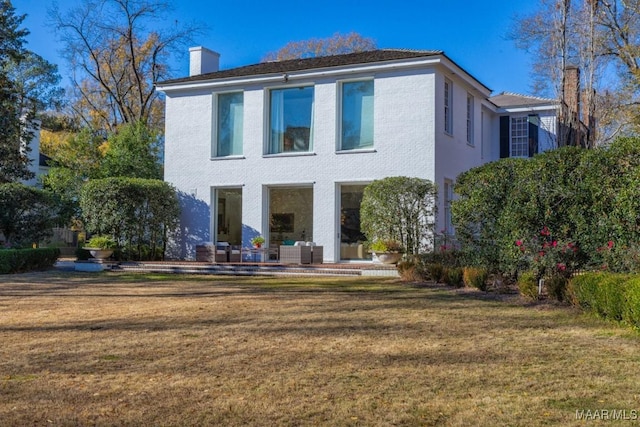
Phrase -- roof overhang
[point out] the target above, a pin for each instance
(440, 60)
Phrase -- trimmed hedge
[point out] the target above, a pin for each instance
(612, 296)
(23, 260)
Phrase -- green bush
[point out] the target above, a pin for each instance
(448, 258)
(101, 242)
(583, 289)
(453, 276)
(138, 213)
(586, 201)
(528, 285)
(602, 293)
(23, 260)
(610, 297)
(631, 313)
(400, 208)
(436, 272)
(475, 277)
(556, 287)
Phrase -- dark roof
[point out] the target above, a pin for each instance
(287, 66)
(514, 100)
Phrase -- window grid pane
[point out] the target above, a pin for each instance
(519, 137)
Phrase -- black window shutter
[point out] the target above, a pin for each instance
(534, 124)
(504, 136)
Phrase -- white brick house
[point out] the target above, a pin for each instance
(285, 149)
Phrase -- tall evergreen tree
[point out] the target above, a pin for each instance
(16, 125)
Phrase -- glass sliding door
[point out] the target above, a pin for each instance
(290, 215)
(228, 215)
(351, 237)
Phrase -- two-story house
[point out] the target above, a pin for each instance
(285, 149)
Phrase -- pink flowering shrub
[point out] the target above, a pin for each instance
(547, 256)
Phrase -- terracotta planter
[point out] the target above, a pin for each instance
(389, 257)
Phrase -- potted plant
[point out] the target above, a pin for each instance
(101, 247)
(387, 251)
(257, 241)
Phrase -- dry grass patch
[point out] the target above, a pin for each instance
(109, 349)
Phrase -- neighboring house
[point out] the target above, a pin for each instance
(37, 161)
(285, 149)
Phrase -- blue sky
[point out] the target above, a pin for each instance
(471, 32)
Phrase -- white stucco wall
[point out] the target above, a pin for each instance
(404, 144)
(454, 154)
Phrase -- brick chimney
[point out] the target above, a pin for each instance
(572, 91)
(203, 61)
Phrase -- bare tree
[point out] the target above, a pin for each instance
(555, 37)
(619, 22)
(334, 45)
(117, 50)
(603, 40)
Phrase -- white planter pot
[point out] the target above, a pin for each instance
(99, 254)
(389, 257)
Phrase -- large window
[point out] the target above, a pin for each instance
(470, 119)
(357, 115)
(519, 145)
(230, 119)
(290, 214)
(448, 114)
(291, 120)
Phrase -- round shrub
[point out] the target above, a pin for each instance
(409, 271)
(528, 285)
(453, 276)
(556, 287)
(475, 277)
(436, 272)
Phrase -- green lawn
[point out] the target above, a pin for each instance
(147, 350)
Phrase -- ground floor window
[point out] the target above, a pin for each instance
(228, 215)
(520, 136)
(351, 237)
(448, 198)
(290, 215)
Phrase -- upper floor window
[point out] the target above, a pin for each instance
(519, 146)
(448, 104)
(291, 120)
(357, 115)
(229, 124)
(469, 119)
